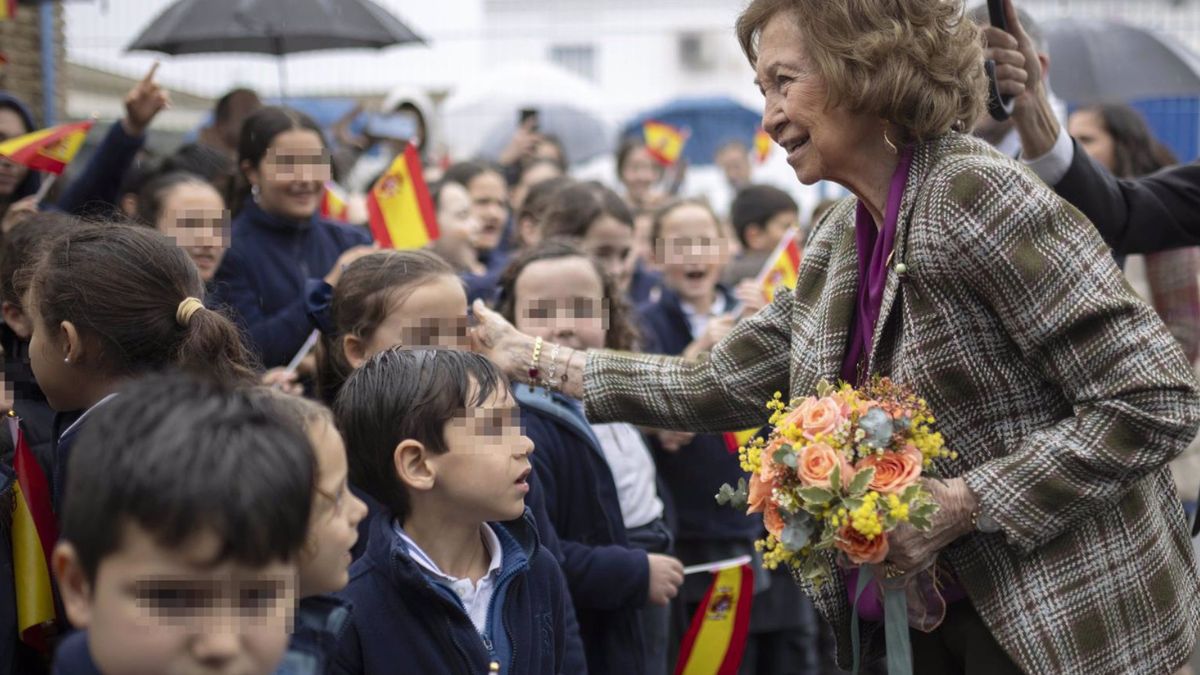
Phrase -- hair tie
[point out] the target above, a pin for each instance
(188, 307)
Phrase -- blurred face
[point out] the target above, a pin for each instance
(195, 217)
(241, 106)
(562, 300)
(11, 173)
(171, 611)
(639, 173)
(767, 237)
(691, 252)
(485, 472)
(611, 242)
(821, 143)
(457, 225)
(291, 177)
(336, 512)
(734, 162)
(489, 201)
(542, 171)
(1088, 128)
(432, 315)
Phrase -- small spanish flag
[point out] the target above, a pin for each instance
(783, 267)
(716, 640)
(333, 203)
(34, 534)
(664, 142)
(8, 9)
(762, 145)
(399, 207)
(738, 439)
(49, 150)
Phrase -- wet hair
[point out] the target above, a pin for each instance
(1135, 150)
(465, 172)
(259, 131)
(574, 209)
(540, 195)
(757, 204)
(22, 247)
(210, 164)
(121, 287)
(369, 288)
(621, 333)
(296, 411)
(403, 394)
(177, 457)
(626, 148)
(661, 213)
(153, 194)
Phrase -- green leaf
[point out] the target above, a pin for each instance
(860, 483)
(724, 494)
(910, 493)
(835, 479)
(824, 388)
(920, 522)
(815, 495)
(785, 456)
(795, 536)
(741, 496)
(923, 510)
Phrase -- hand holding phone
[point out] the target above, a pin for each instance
(999, 107)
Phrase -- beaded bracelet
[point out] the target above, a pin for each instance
(534, 371)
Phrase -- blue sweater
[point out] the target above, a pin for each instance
(94, 191)
(73, 657)
(320, 622)
(695, 472)
(609, 581)
(404, 621)
(263, 276)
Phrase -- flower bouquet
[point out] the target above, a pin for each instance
(839, 472)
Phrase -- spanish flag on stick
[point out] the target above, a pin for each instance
(8, 10)
(333, 203)
(664, 141)
(738, 439)
(716, 640)
(762, 145)
(34, 533)
(783, 267)
(49, 150)
(399, 207)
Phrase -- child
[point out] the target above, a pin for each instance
(488, 190)
(187, 507)
(761, 216)
(599, 481)
(332, 532)
(454, 579)
(109, 302)
(457, 229)
(190, 211)
(532, 214)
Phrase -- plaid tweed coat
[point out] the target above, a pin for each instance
(1063, 393)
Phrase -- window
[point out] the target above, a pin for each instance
(578, 59)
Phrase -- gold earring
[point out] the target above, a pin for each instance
(890, 144)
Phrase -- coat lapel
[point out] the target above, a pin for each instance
(840, 298)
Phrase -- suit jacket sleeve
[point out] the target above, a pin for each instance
(1064, 304)
(1143, 215)
(94, 191)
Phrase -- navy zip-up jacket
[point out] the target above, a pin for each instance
(609, 581)
(404, 621)
(263, 276)
(696, 471)
(73, 657)
(320, 622)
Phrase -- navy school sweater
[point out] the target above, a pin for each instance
(263, 276)
(320, 622)
(609, 581)
(403, 621)
(695, 472)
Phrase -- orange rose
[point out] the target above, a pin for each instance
(818, 416)
(859, 549)
(894, 471)
(815, 464)
(760, 494)
(772, 520)
(770, 470)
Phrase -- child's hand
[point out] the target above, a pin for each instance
(144, 102)
(17, 212)
(672, 441)
(750, 294)
(283, 380)
(666, 576)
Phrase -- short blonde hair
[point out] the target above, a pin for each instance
(915, 63)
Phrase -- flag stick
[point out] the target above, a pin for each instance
(45, 188)
(304, 351)
(718, 565)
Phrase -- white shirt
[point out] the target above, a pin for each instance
(475, 597)
(1052, 166)
(633, 471)
(697, 321)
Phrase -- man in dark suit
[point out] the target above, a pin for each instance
(1142, 215)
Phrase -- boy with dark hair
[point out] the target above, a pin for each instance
(761, 215)
(186, 506)
(454, 579)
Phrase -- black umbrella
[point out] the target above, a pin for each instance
(276, 27)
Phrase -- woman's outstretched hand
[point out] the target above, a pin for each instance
(496, 338)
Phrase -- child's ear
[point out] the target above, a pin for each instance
(413, 466)
(250, 172)
(73, 585)
(72, 343)
(16, 319)
(355, 350)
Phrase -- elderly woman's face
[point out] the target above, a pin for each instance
(821, 143)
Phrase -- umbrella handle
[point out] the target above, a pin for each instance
(999, 107)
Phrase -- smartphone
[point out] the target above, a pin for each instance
(1000, 107)
(394, 126)
(526, 115)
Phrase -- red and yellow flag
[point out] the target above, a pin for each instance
(664, 142)
(8, 9)
(716, 640)
(34, 534)
(333, 203)
(399, 207)
(762, 145)
(783, 267)
(48, 150)
(737, 439)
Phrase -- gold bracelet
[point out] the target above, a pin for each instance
(534, 371)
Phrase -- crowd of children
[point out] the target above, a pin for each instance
(389, 503)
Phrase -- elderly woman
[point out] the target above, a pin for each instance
(954, 271)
